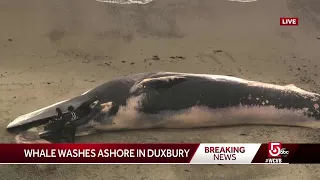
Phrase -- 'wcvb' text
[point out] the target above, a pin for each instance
(224, 153)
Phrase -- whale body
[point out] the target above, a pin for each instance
(182, 100)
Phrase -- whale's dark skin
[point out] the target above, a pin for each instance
(169, 91)
(221, 94)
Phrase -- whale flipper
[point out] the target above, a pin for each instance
(157, 83)
(104, 110)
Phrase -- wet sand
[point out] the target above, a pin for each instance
(53, 50)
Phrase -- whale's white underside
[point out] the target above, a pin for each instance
(198, 117)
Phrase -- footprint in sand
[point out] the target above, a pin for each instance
(148, 1)
(245, 1)
(224, 62)
(126, 1)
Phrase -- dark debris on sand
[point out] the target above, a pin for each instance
(177, 57)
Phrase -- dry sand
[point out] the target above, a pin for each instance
(52, 50)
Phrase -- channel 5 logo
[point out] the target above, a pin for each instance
(276, 150)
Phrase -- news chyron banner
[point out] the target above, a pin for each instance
(203, 153)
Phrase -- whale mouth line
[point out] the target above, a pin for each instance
(30, 136)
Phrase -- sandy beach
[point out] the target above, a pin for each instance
(54, 50)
